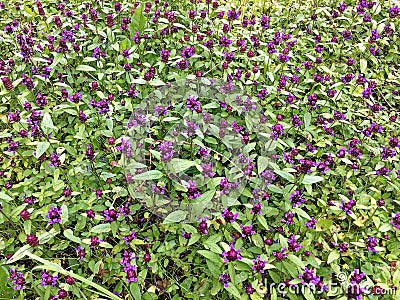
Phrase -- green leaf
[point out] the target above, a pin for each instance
(297, 261)
(385, 227)
(20, 253)
(308, 294)
(275, 189)
(262, 163)
(149, 175)
(233, 291)
(69, 234)
(285, 175)
(46, 236)
(56, 60)
(6, 291)
(302, 213)
(211, 256)
(157, 82)
(138, 20)
(262, 221)
(85, 68)
(64, 214)
(101, 228)
(175, 217)
(334, 255)
(270, 211)
(211, 243)
(363, 65)
(135, 290)
(47, 122)
(307, 120)
(309, 179)
(49, 266)
(215, 270)
(5, 196)
(180, 165)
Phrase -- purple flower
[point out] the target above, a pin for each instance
(311, 224)
(288, 219)
(296, 122)
(233, 15)
(80, 252)
(138, 119)
(13, 146)
(354, 291)
(394, 12)
(383, 171)
(130, 237)
(55, 160)
(229, 216)
(17, 279)
(375, 51)
(192, 190)
(347, 207)
(48, 279)
(131, 273)
(387, 152)
(371, 244)
(343, 247)
(226, 187)
(125, 210)
(264, 22)
(125, 147)
(164, 55)
(41, 100)
(188, 52)
(309, 276)
(277, 131)
(193, 104)
(347, 35)
(293, 245)
(256, 207)
(224, 41)
(396, 220)
(160, 190)
(357, 276)
(54, 215)
(191, 128)
(167, 151)
(182, 65)
(204, 153)
(206, 170)
(14, 117)
(225, 279)
(202, 228)
(259, 265)
(232, 254)
(296, 198)
(126, 259)
(280, 255)
(247, 230)
(110, 215)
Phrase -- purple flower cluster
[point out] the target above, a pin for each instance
(167, 151)
(17, 279)
(232, 254)
(296, 198)
(48, 279)
(129, 269)
(54, 215)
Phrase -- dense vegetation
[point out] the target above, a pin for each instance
(280, 119)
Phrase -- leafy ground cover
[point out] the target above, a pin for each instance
(315, 216)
